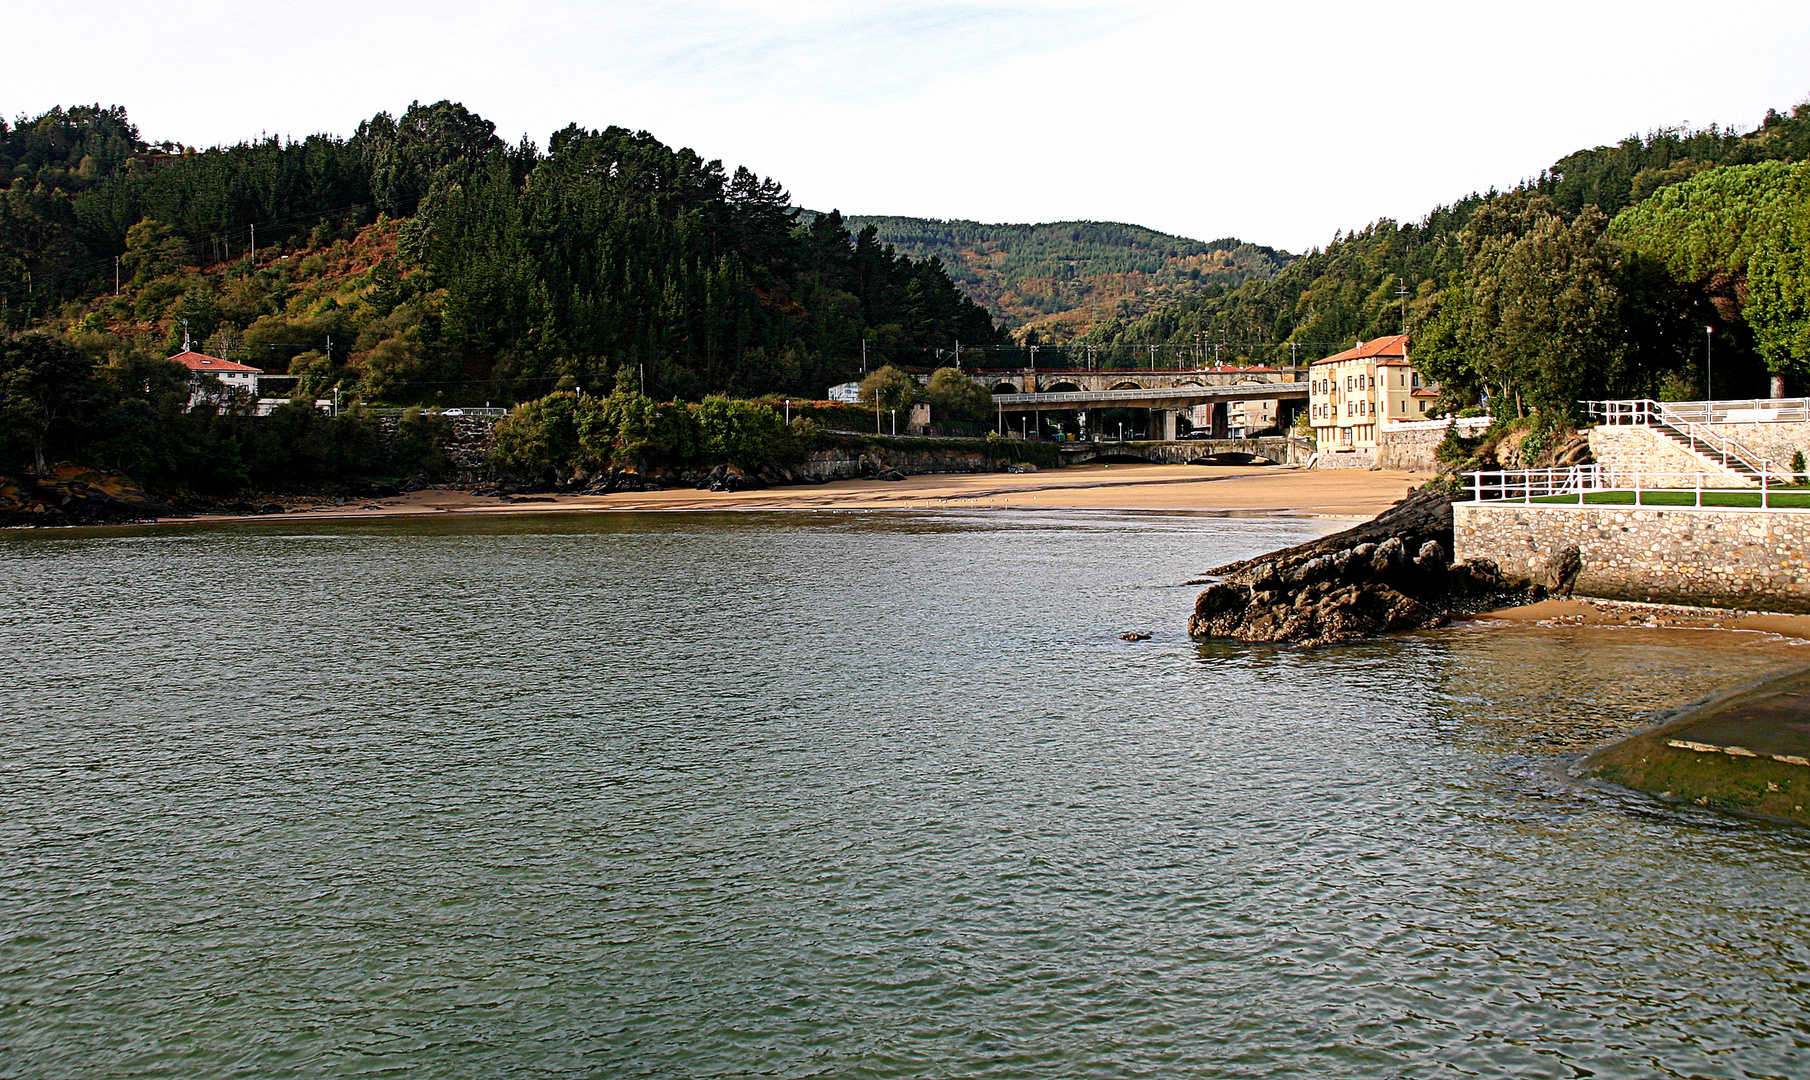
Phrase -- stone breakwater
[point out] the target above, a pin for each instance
(1391, 573)
(1746, 559)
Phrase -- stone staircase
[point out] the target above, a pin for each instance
(1665, 441)
(1711, 454)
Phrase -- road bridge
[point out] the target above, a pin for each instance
(1162, 394)
(1031, 380)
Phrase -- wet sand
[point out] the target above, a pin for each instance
(1586, 612)
(1354, 494)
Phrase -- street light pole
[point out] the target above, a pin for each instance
(1709, 364)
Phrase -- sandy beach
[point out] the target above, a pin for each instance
(1344, 494)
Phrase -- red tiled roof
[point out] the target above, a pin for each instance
(1393, 345)
(195, 361)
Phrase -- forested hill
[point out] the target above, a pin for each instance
(1600, 277)
(425, 259)
(1058, 280)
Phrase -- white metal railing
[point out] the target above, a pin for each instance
(1744, 411)
(1467, 425)
(1647, 488)
(1666, 415)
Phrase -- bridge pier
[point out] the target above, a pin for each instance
(1162, 424)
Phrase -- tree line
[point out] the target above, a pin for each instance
(496, 270)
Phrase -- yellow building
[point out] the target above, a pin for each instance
(1353, 393)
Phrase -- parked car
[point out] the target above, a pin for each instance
(453, 412)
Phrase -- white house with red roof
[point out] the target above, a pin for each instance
(227, 373)
(1354, 393)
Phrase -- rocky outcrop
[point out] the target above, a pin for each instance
(72, 495)
(1390, 573)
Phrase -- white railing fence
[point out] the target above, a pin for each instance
(1690, 419)
(1576, 483)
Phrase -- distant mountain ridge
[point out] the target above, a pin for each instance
(1057, 280)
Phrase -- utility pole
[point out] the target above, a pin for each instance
(253, 253)
(863, 355)
(1401, 290)
(643, 370)
(1293, 359)
(1152, 349)
(1090, 358)
(116, 275)
(958, 354)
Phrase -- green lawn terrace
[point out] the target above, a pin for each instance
(1597, 485)
(1776, 498)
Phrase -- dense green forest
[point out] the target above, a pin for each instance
(1055, 281)
(422, 260)
(1597, 278)
(502, 271)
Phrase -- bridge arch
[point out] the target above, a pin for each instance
(1005, 387)
(1231, 457)
(1126, 384)
(1064, 387)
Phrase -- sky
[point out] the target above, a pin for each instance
(1277, 123)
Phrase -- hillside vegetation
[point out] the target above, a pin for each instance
(1054, 282)
(448, 266)
(1597, 278)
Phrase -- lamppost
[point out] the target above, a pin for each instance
(1709, 364)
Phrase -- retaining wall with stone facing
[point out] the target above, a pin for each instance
(1403, 448)
(1775, 440)
(1751, 559)
(1633, 449)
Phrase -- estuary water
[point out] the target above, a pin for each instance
(838, 795)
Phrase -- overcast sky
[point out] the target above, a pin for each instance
(1277, 123)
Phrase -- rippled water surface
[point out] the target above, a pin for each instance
(837, 795)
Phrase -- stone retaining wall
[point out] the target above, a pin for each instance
(1409, 450)
(1770, 440)
(1359, 458)
(1643, 450)
(469, 446)
(1413, 449)
(1752, 559)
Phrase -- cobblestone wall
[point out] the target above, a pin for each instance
(1757, 560)
(1639, 449)
(469, 446)
(1362, 458)
(1410, 450)
(1771, 440)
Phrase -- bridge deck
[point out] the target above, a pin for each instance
(1157, 397)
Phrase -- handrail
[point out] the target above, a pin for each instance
(1645, 412)
(1525, 485)
(1730, 410)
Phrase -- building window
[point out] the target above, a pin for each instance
(1423, 406)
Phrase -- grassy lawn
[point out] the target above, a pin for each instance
(1791, 498)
